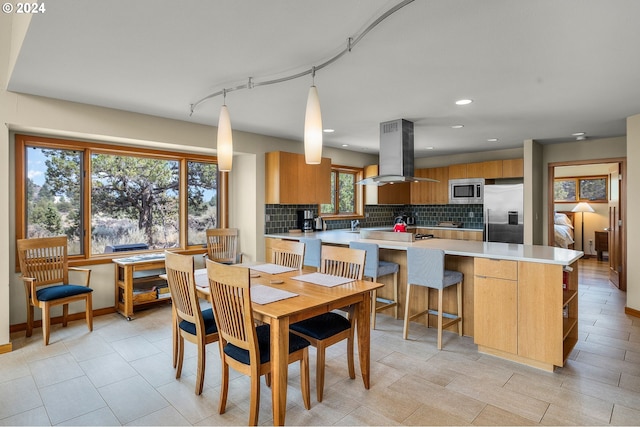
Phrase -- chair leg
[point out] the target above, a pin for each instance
(46, 322)
(65, 314)
(304, 378)
(350, 357)
(89, 311)
(254, 410)
(440, 292)
(202, 360)
(405, 329)
(29, 319)
(374, 304)
(224, 387)
(176, 340)
(320, 371)
(180, 355)
(395, 294)
(459, 291)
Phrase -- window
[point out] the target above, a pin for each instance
(346, 196)
(577, 189)
(103, 196)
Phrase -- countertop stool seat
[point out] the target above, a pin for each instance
(373, 269)
(425, 267)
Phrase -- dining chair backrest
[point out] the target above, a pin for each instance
(181, 280)
(288, 253)
(44, 259)
(425, 267)
(344, 262)
(312, 250)
(231, 303)
(222, 245)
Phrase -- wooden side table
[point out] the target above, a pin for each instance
(602, 243)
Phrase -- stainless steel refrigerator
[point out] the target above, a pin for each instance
(503, 213)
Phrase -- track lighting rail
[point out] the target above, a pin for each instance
(351, 43)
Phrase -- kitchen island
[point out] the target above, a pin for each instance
(520, 301)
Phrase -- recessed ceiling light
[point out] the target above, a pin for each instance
(457, 126)
(345, 145)
(429, 148)
(492, 140)
(328, 130)
(464, 102)
(577, 134)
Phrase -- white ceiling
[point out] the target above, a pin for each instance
(539, 69)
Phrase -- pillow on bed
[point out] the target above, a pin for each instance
(562, 219)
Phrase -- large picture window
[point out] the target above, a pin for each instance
(105, 198)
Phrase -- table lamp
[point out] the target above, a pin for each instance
(582, 207)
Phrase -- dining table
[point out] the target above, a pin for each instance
(288, 296)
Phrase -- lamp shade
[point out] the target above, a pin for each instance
(225, 141)
(583, 207)
(313, 129)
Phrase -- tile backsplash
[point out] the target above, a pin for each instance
(282, 218)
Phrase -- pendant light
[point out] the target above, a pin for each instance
(313, 126)
(225, 140)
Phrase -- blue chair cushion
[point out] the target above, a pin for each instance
(451, 278)
(61, 291)
(323, 326)
(386, 267)
(263, 333)
(209, 324)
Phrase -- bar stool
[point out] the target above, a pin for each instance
(374, 268)
(425, 267)
(312, 251)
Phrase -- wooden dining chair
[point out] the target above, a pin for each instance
(330, 328)
(288, 253)
(222, 245)
(190, 322)
(243, 346)
(45, 274)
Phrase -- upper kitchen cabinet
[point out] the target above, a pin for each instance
(494, 169)
(431, 193)
(290, 181)
(513, 168)
(389, 194)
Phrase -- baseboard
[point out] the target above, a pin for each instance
(57, 320)
(632, 312)
(6, 348)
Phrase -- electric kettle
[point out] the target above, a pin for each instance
(318, 224)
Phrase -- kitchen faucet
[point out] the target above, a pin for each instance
(354, 224)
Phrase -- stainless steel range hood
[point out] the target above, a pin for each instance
(396, 155)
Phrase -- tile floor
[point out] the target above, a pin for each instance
(122, 374)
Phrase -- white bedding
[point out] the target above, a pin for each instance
(563, 235)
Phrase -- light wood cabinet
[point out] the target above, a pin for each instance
(458, 171)
(431, 193)
(513, 168)
(290, 181)
(524, 312)
(389, 194)
(494, 169)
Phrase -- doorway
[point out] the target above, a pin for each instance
(609, 215)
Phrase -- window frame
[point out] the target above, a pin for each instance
(579, 197)
(358, 194)
(87, 148)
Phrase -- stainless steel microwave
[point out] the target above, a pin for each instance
(468, 191)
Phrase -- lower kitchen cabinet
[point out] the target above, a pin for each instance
(523, 312)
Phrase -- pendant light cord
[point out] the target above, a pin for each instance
(351, 43)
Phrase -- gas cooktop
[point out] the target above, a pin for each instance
(420, 236)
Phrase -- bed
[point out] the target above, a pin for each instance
(563, 229)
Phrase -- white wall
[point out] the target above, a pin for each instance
(633, 205)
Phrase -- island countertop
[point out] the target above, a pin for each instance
(506, 251)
